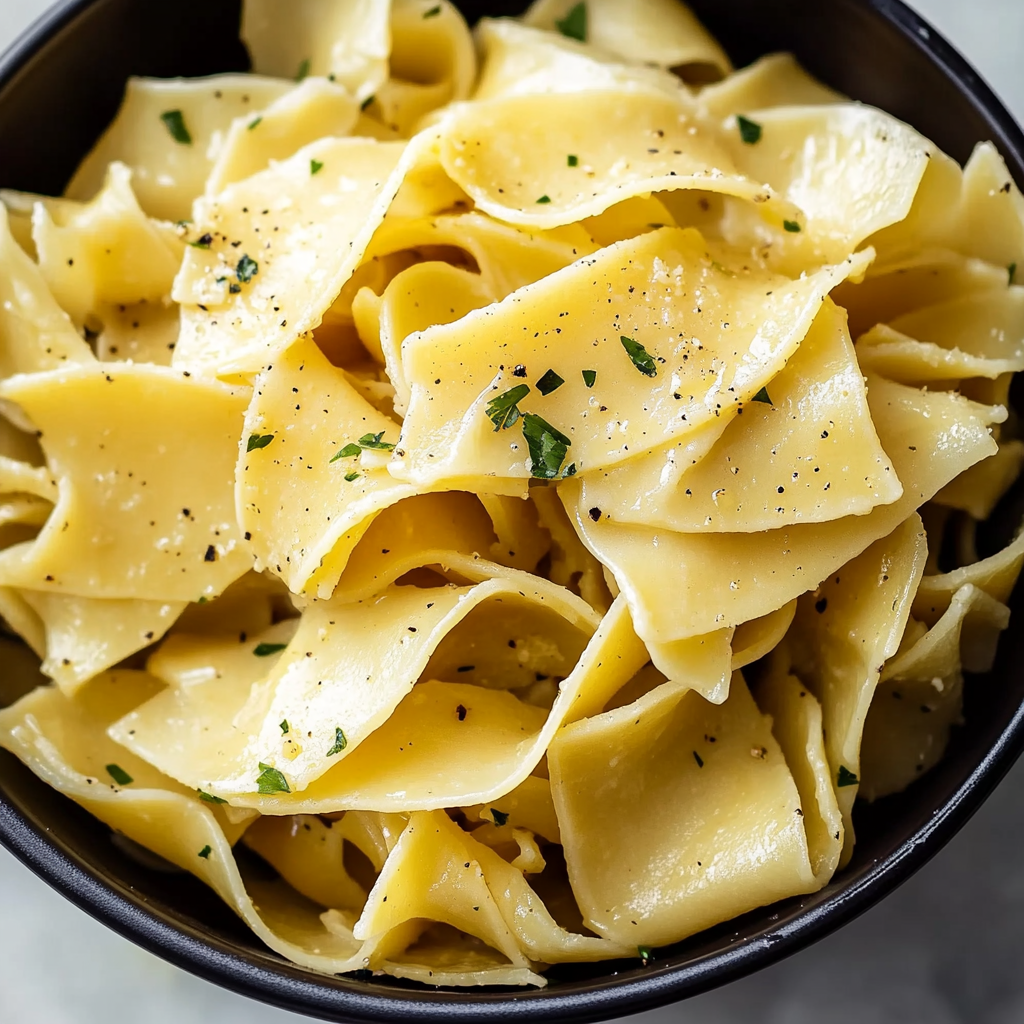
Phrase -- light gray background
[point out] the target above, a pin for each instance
(946, 948)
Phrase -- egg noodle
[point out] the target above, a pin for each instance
(520, 494)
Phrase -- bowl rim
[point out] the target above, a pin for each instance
(289, 987)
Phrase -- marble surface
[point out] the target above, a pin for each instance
(944, 949)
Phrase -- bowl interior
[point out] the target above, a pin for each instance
(60, 86)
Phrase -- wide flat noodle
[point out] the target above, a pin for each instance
(979, 489)
(676, 814)
(808, 454)
(723, 579)
(702, 361)
(141, 332)
(170, 166)
(137, 517)
(776, 80)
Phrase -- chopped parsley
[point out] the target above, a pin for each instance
(590, 378)
(572, 160)
(503, 411)
(315, 166)
(353, 475)
(544, 199)
(548, 446)
(1012, 271)
(366, 102)
(844, 777)
(285, 728)
(574, 24)
(270, 780)
(499, 817)
(432, 13)
(570, 470)
(175, 122)
(346, 453)
(791, 225)
(750, 131)
(303, 71)
(206, 851)
(119, 775)
(247, 269)
(209, 798)
(340, 743)
(549, 382)
(642, 359)
(254, 122)
(202, 242)
(263, 650)
(762, 396)
(258, 441)
(374, 441)
(644, 952)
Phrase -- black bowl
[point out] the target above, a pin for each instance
(60, 84)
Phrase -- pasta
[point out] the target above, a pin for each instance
(518, 482)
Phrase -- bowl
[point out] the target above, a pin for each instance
(60, 84)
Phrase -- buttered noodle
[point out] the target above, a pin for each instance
(521, 496)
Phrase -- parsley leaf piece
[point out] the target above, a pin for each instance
(340, 743)
(247, 269)
(569, 471)
(574, 24)
(366, 102)
(549, 382)
(548, 446)
(374, 441)
(263, 650)
(1012, 271)
(432, 13)
(258, 441)
(270, 780)
(644, 952)
(254, 123)
(750, 131)
(642, 359)
(544, 199)
(203, 241)
(590, 378)
(315, 166)
(285, 728)
(175, 122)
(349, 477)
(762, 396)
(503, 411)
(844, 777)
(209, 798)
(119, 775)
(791, 225)
(303, 71)
(573, 160)
(499, 817)
(206, 851)
(346, 453)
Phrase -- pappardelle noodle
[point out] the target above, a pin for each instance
(519, 483)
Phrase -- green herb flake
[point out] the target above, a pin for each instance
(548, 446)
(346, 453)
(569, 471)
(119, 775)
(247, 269)
(572, 160)
(374, 442)
(1012, 271)
(263, 650)
(642, 359)
(315, 166)
(574, 24)
(549, 382)
(544, 199)
(303, 71)
(270, 780)
(203, 241)
(206, 851)
(285, 728)
(432, 13)
(257, 441)
(254, 122)
(209, 798)
(499, 817)
(175, 123)
(590, 378)
(503, 411)
(644, 952)
(340, 743)
(844, 777)
(750, 131)
(762, 396)
(366, 102)
(791, 226)
(349, 477)
(698, 759)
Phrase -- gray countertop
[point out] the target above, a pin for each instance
(944, 949)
